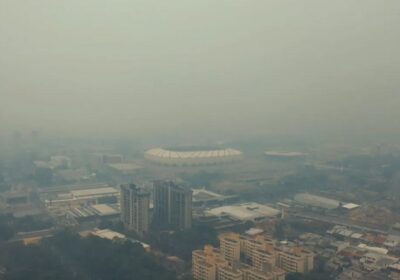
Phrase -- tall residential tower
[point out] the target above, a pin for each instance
(135, 209)
(172, 205)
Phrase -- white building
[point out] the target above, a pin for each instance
(246, 211)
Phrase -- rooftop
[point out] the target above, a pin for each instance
(350, 206)
(245, 211)
(111, 235)
(284, 154)
(94, 192)
(378, 250)
(125, 167)
(254, 231)
(108, 234)
(205, 195)
(317, 201)
(104, 209)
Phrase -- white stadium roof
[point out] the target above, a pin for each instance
(284, 154)
(193, 154)
(191, 157)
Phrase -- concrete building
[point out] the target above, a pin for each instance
(135, 209)
(250, 257)
(263, 260)
(204, 198)
(252, 245)
(172, 205)
(295, 259)
(230, 247)
(94, 211)
(76, 198)
(210, 264)
(124, 168)
(250, 211)
(205, 263)
(229, 273)
(254, 274)
(317, 201)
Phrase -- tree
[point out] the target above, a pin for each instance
(68, 256)
(182, 243)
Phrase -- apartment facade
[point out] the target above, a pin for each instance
(206, 262)
(229, 273)
(295, 259)
(230, 246)
(172, 205)
(135, 209)
(243, 257)
(254, 274)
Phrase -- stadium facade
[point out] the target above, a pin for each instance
(192, 157)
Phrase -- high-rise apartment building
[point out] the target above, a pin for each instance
(295, 259)
(229, 273)
(172, 205)
(135, 209)
(249, 257)
(258, 250)
(255, 274)
(206, 262)
(230, 246)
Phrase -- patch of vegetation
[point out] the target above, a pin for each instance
(9, 225)
(68, 256)
(182, 243)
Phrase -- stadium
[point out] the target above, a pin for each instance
(192, 157)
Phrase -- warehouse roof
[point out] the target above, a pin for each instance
(94, 192)
(317, 201)
(245, 211)
(104, 209)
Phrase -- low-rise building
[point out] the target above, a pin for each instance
(83, 197)
(250, 211)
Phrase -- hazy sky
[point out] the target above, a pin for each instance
(219, 67)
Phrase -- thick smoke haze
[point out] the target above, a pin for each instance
(214, 67)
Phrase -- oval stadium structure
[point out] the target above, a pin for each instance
(192, 157)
